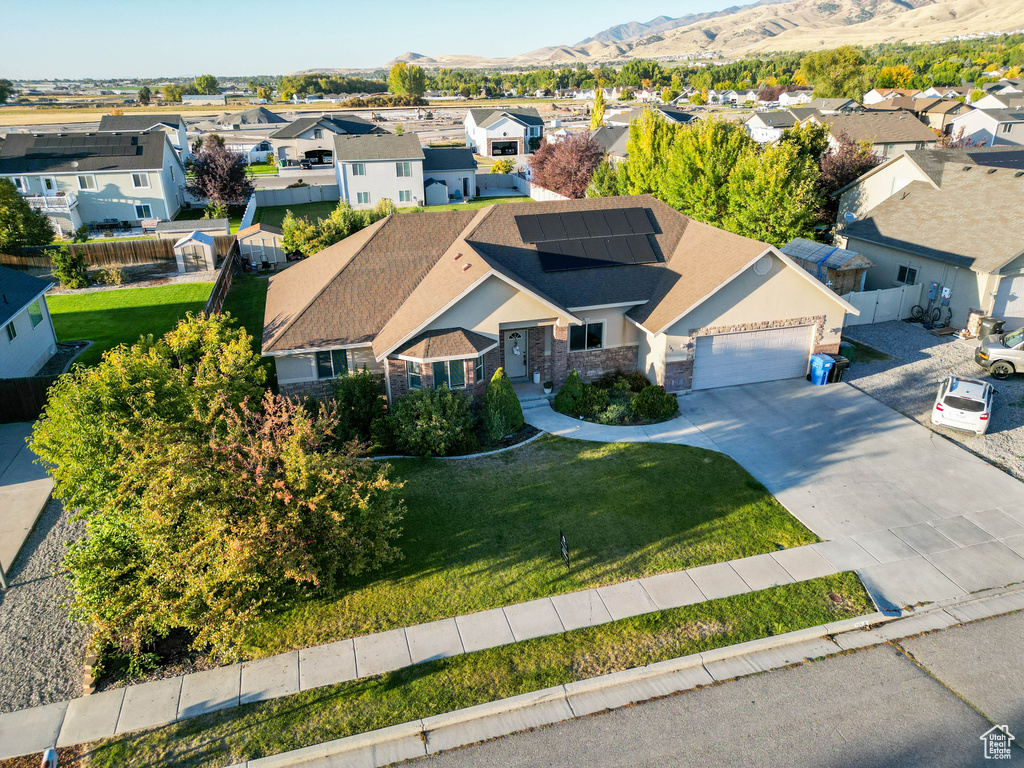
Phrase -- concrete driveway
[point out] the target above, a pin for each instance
(919, 518)
(25, 487)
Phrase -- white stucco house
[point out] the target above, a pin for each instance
(84, 178)
(767, 127)
(991, 126)
(27, 339)
(375, 166)
(794, 98)
(449, 174)
(497, 132)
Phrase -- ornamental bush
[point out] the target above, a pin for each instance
(569, 394)
(433, 422)
(69, 268)
(654, 404)
(502, 413)
(360, 403)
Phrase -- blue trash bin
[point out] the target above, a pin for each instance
(820, 366)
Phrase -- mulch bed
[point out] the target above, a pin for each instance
(67, 757)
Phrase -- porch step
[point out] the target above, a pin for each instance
(536, 402)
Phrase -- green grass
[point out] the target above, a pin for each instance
(482, 533)
(274, 215)
(262, 169)
(312, 717)
(235, 214)
(246, 301)
(121, 316)
(861, 353)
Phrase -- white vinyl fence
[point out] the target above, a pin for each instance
(883, 305)
(250, 213)
(297, 195)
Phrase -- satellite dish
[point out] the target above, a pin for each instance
(850, 218)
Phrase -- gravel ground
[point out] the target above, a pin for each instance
(41, 650)
(909, 381)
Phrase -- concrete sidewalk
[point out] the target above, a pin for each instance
(25, 488)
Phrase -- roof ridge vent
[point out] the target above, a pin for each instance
(968, 167)
(992, 170)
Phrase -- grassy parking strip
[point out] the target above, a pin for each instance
(322, 714)
(483, 533)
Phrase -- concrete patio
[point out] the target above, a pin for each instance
(25, 488)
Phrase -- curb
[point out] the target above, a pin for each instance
(483, 722)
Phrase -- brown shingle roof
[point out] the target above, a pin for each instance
(446, 342)
(879, 127)
(252, 230)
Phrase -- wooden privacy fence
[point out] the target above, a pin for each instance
(101, 254)
(23, 399)
(215, 303)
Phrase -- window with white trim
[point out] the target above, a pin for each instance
(403, 169)
(478, 370)
(19, 183)
(332, 364)
(415, 374)
(140, 180)
(586, 336)
(35, 313)
(451, 373)
(12, 332)
(1005, 127)
(362, 198)
(405, 195)
(358, 169)
(87, 182)
(143, 212)
(906, 274)
(318, 133)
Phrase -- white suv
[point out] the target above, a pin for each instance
(964, 404)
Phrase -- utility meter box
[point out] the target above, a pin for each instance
(947, 292)
(933, 292)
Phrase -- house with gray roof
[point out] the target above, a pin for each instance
(991, 127)
(173, 125)
(310, 139)
(449, 174)
(767, 127)
(833, 106)
(911, 218)
(86, 178)
(672, 115)
(888, 133)
(27, 339)
(540, 289)
(613, 139)
(503, 131)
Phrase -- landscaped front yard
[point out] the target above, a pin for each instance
(109, 318)
(482, 533)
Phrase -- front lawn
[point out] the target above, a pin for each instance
(482, 533)
(261, 169)
(322, 714)
(121, 316)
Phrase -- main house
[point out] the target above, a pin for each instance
(311, 139)
(496, 132)
(173, 125)
(911, 217)
(541, 289)
(27, 339)
(82, 178)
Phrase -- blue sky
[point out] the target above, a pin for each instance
(147, 38)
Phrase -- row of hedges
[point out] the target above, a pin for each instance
(426, 422)
(616, 398)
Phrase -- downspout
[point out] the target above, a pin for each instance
(822, 261)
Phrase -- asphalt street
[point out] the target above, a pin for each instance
(924, 702)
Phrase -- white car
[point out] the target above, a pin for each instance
(964, 403)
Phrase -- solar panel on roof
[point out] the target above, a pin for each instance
(529, 229)
(574, 226)
(551, 226)
(596, 225)
(616, 220)
(640, 248)
(639, 221)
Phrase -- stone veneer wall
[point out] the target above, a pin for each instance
(594, 363)
(559, 354)
(536, 359)
(399, 379)
(321, 389)
(678, 375)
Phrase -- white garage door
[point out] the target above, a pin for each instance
(726, 359)
(1010, 302)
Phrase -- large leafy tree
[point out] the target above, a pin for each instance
(845, 161)
(566, 166)
(20, 225)
(773, 194)
(836, 73)
(597, 115)
(6, 90)
(650, 141)
(899, 76)
(698, 169)
(604, 182)
(145, 95)
(219, 175)
(407, 80)
(207, 84)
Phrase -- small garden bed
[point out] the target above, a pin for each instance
(618, 399)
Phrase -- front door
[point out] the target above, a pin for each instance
(49, 185)
(515, 354)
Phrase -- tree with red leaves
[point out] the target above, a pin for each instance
(219, 175)
(566, 166)
(958, 140)
(845, 161)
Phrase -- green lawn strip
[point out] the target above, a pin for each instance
(246, 300)
(861, 353)
(262, 169)
(323, 714)
(482, 533)
(274, 215)
(235, 213)
(480, 202)
(121, 316)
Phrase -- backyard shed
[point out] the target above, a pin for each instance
(841, 270)
(196, 252)
(261, 243)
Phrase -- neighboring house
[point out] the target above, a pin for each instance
(540, 289)
(911, 218)
(204, 100)
(889, 133)
(172, 125)
(841, 270)
(311, 138)
(802, 113)
(876, 95)
(255, 148)
(261, 243)
(938, 114)
(497, 132)
(612, 139)
(767, 127)
(27, 339)
(991, 126)
(999, 101)
(82, 178)
(257, 117)
(449, 173)
(674, 116)
(834, 106)
(794, 98)
(375, 166)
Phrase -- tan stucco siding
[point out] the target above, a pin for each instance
(493, 305)
(302, 366)
(878, 187)
(782, 294)
(651, 356)
(618, 331)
